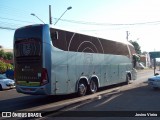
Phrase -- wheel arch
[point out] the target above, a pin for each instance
(82, 78)
(129, 74)
(96, 79)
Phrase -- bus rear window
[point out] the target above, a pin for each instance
(28, 47)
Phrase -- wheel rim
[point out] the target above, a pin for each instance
(127, 79)
(93, 86)
(82, 89)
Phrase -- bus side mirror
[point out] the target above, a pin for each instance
(54, 35)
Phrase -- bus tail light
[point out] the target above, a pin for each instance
(44, 78)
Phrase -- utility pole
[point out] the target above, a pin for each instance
(154, 60)
(50, 15)
(127, 35)
(129, 51)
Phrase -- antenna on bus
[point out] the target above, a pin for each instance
(50, 16)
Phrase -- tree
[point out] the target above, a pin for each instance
(9, 55)
(136, 46)
(2, 54)
(3, 67)
(6, 55)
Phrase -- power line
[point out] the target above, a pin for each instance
(7, 28)
(16, 20)
(109, 24)
(74, 21)
(10, 25)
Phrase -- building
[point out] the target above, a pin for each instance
(146, 60)
(6, 50)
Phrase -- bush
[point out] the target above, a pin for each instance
(9, 66)
(6, 55)
(4, 66)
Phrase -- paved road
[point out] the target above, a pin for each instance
(133, 97)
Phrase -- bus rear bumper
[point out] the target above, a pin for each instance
(41, 90)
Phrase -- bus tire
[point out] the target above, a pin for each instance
(155, 88)
(93, 87)
(127, 79)
(1, 87)
(82, 88)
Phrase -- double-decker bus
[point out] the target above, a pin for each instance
(51, 61)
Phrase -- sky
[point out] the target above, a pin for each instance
(109, 19)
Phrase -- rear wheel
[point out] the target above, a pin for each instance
(155, 88)
(1, 87)
(82, 88)
(92, 87)
(127, 79)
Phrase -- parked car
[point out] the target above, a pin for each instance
(6, 83)
(154, 81)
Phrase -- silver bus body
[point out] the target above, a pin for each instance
(66, 59)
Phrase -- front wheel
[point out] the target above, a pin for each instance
(82, 88)
(155, 88)
(1, 87)
(92, 87)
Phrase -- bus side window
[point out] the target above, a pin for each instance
(54, 35)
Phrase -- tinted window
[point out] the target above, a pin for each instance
(29, 32)
(28, 41)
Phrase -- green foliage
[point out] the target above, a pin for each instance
(6, 55)
(9, 66)
(4, 66)
(137, 58)
(9, 55)
(1, 53)
(136, 46)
